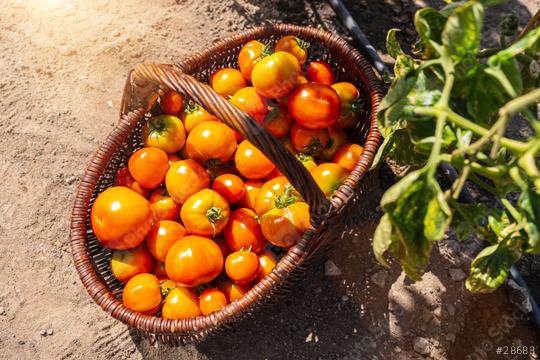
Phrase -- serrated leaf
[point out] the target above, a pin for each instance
(490, 268)
(429, 24)
(392, 44)
(462, 31)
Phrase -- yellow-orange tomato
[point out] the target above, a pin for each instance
(295, 46)
(148, 166)
(251, 162)
(194, 260)
(159, 270)
(205, 213)
(171, 102)
(242, 266)
(320, 72)
(278, 122)
(329, 177)
(309, 141)
(194, 114)
(278, 190)
(350, 104)
(267, 263)
(337, 138)
(301, 80)
(230, 186)
(181, 303)
(249, 55)
(226, 82)
(185, 178)
(211, 140)
(162, 236)
(252, 189)
(142, 293)
(165, 132)
(121, 218)
(173, 158)
(163, 206)
(274, 76)
(166, 285)
(306, 160)
(125, 264)
(243, 231)
(284, 226)
(124, 178)
(232, 290)
(348, 155)
(253, 103)
(212, 299)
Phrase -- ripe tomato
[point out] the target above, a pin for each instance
(232, 290)
(337, 138)
(278, 122)
(350, 104)
(286, 141)
(226, 82)
(276, 75)
(165, 132)
(243, 231)
(211, 140)
(329, 177)
(120, 218)
(194, 260)
(251, 162)
(194, 114)
(230, 186)
(166, 286)
(171, 102)
(242, 266)
(185, 178)
(125, 264)
(124, 178)
(173, 158)
(348, 155)
(163, 206)
(302, 80)
(309, 141)
(142, 293)
(205, 213)
(225, 251)
(162, 236)
(148, 166)
(250, 101)
(295, 46)
(249, 55)
(274, 174)
(320, 72)
(306, 160)
(315, 106)
(212, 299)
(181, 303)
(159, 270)
(252, 189)
(267, 263)
(284, 226)
(275, 192)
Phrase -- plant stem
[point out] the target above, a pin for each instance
(457, 186)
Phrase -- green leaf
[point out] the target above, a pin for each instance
(382, 239)
(490, 268)
(467, 218)
(384, 149)
(529, 41)
(399, 89)
(392, 44)
(462, 32)
(403, 65)
(429, 24)
(404, 152)
(529, 206)
(484, 97)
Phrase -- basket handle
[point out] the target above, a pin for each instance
(237, 119)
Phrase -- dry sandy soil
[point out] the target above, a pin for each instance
(62, 67)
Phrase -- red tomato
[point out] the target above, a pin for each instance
(295, 46)
(142, 293)
(194, 114)
(337, 138)
(211, 140)
(226, 82)
(267, 263)
(233, 291)
(125, 264)
(162, 236)
(350, 104)
(205, 213)
(171, 102)
(194, 260)
(348, 155)
(159, 270)
(278, 122)
(173, 158)
(120, 218)
(243, 231)
(165, 132)
(181, 303)
(274, 174)
(315, 106)
(320, 72)
(251, 162)
(329, 177)
(242, 266)
(309, 141)
(284, 226)
(274, 76)
(230, 186)
(124, 178)
(185, 178)
(212, 299)
(252, 188)
(163, 206)
(148, 166)
(250, 101)
(249, 55)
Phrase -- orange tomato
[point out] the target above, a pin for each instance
(278, 122)
(121, 218)
(173, 158)
(165, 132)
(274, 174)
(125, 264)
(163, 206)
(162, 236)
(301, 80)
(232, 290)
(194, 114)
(309, 141)
(315, 106)
(171, 102)
(274, 76)
(295, 46)
(212, 299)
(194, 260)
(124, 178)
(251, 162)
(251, 102)
(249, 55)
(230, 186)
(306, 160)
(242, 266)
(350, 104)
(211, 140)
(166, 286)
(320, 72)
(275, 192)
(142, 293)
(252, 189)
(284, 226)
(243, 231)
(348, 155)
(181, 303)
(205, 213)
(159, 270)
(329, 177)
(148, 166)
(226, 82)
(185, 178)
(267, 263)
(337, 138)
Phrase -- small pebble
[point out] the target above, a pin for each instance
(344, 298)
(421, 345)
(451, 310)
(50, 331)
(331, 269)
(397, 349)
(66, 51)
(41, 332)
(109, 102)
(309, 338)
(379, 278)
(2, 310)
(457, 274)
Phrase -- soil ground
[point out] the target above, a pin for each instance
(62, 68)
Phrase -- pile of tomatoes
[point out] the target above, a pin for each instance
(193, 218)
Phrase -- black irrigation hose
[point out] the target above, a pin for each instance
(448, 170)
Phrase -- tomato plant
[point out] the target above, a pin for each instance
(276, 75)
(165, 132)
(125, 264)
(243, 231)
(148, 166)
(242, 266)
(185, 178)
(315, 106)
(251, 162)
(226, 82)
(205, 213)
(320, 72)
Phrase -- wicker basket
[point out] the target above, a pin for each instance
(143, 87)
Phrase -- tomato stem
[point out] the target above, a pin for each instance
(302, 43)
(286, 199)
(191, 107)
